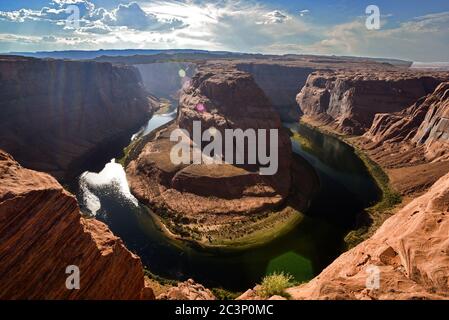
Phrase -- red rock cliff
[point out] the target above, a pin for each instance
(412, 145)
(349, 100)
(425, 124)
(433, 132)
(280, 83)
(42, 232)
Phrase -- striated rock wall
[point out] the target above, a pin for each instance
(280, 83)
(433, 132)
(350, 100)
(54, 112)
(412, 145)
(42, 232)
(424, 124)
(410, 251)
(163, 79)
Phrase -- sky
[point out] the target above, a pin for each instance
(414, 30)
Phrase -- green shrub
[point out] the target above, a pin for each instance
(161, 280)
(275, 284)
(222, 294)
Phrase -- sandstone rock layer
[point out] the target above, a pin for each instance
(410, 251)
(42, 233)
(413, 144)
(350, 100)
(188, 290)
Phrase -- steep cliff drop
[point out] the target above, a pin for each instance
(55, 113)
(282, 79)
(407, 258)
(165, 79)
(280, 83)
(219, 204)
(349, 100)
(42, 233)
(412, 145)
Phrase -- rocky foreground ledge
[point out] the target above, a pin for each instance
(42, 233)
(410, 253)
(221, 204)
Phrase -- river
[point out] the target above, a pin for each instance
(346, 189)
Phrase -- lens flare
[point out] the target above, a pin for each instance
(200, 107)
(182, 73)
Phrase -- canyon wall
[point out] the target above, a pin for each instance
(409, 254)
(403, 119)
(425, 123)
(349, 100)
(433, 133)
(54, 112)
(42, 233)
(280, 83)
(165, 79)
(412, 145)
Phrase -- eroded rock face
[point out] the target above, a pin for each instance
(54, 112)
(423, 124)
(232, 100)
(280, 83)
(164, 79)
(410, 250)
(42, 232)
(350, 100)
(412, 145)
(433, 132)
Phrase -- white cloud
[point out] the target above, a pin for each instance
(97, 28)
(97, 20)
(7, 37)
(423, 38)
(49, 39)
(16, 16)
(304, 12)
(234, 25)
(134, 17)
(275, 16)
